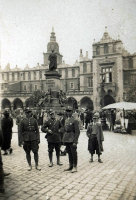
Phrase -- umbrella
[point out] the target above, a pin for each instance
(121, 105)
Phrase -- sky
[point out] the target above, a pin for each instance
(25, 27)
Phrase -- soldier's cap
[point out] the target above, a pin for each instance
(6, 112)
(96, 116)
(60, 113)
(28, 110)
(69, 108)
(51, 112)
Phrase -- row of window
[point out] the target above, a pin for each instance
(106, 49)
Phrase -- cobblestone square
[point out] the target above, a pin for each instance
(114, 179)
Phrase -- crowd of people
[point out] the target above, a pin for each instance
(62, 131)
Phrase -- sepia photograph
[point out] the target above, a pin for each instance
(67, 99)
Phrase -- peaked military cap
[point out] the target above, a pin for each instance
(28, 110)
(69, 108)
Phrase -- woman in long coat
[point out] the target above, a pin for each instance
(95, 135)
(7, 124)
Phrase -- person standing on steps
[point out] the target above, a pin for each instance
(53, 135)
(70, 139)
(31, 138)
(95, 138)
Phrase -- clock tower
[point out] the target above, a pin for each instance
(52, 45)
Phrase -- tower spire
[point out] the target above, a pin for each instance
(52, 37)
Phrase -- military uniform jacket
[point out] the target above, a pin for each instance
(29, 129)
(54, 126)
(71, 131)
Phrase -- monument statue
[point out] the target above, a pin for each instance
(53, 61)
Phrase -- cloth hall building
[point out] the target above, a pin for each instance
(89, 83)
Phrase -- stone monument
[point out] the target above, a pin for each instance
(54, 98)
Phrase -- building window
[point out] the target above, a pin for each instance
(66, 73)
(133, 79)
(25, 87)
(13, 76)
(29, 76)
(23, 75)
(91, 67)
(106, 48)
(35, 87)
(40, 75)
(73, 72)
(130, 62)
(84, 68)
(98, 50)
(3, 77)
(7, 76)
(18, 76)
(106, 75)
(2, 87)
(114, 47)
(60, 71)
(90, 81)
(34, 75)
(71, 85)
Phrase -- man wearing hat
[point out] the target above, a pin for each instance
(70, 139)
(31, 138)
(53, 135)
(95, 135)
(7, 124)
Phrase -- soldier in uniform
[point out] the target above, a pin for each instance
(31, 138)
(19, 118)
(70, 139)
(53, 135)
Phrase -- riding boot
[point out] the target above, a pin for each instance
(50, 158)
(58, 161)
(36, 161)
(28, 157)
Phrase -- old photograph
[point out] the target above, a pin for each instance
(68, 99)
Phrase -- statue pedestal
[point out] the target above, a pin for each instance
(53, 87)
(53, 80)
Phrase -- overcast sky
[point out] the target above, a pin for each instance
(25, 27)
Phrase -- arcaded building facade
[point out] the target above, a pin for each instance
(89, 83)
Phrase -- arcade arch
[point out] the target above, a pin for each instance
(108, 99)
(71, 101)
(6, 104)
(17, 103)
(86, 102)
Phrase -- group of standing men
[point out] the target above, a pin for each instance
(59, 131)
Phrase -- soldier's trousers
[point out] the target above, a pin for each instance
(72, 154)
(1, 172)
(31, 146)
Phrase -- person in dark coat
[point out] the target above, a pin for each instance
(95, 135)
(7, 124)
(2, 189)
(53, 135)
(31, 138)
(70, 139)
(19, 118)
(112, 119)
